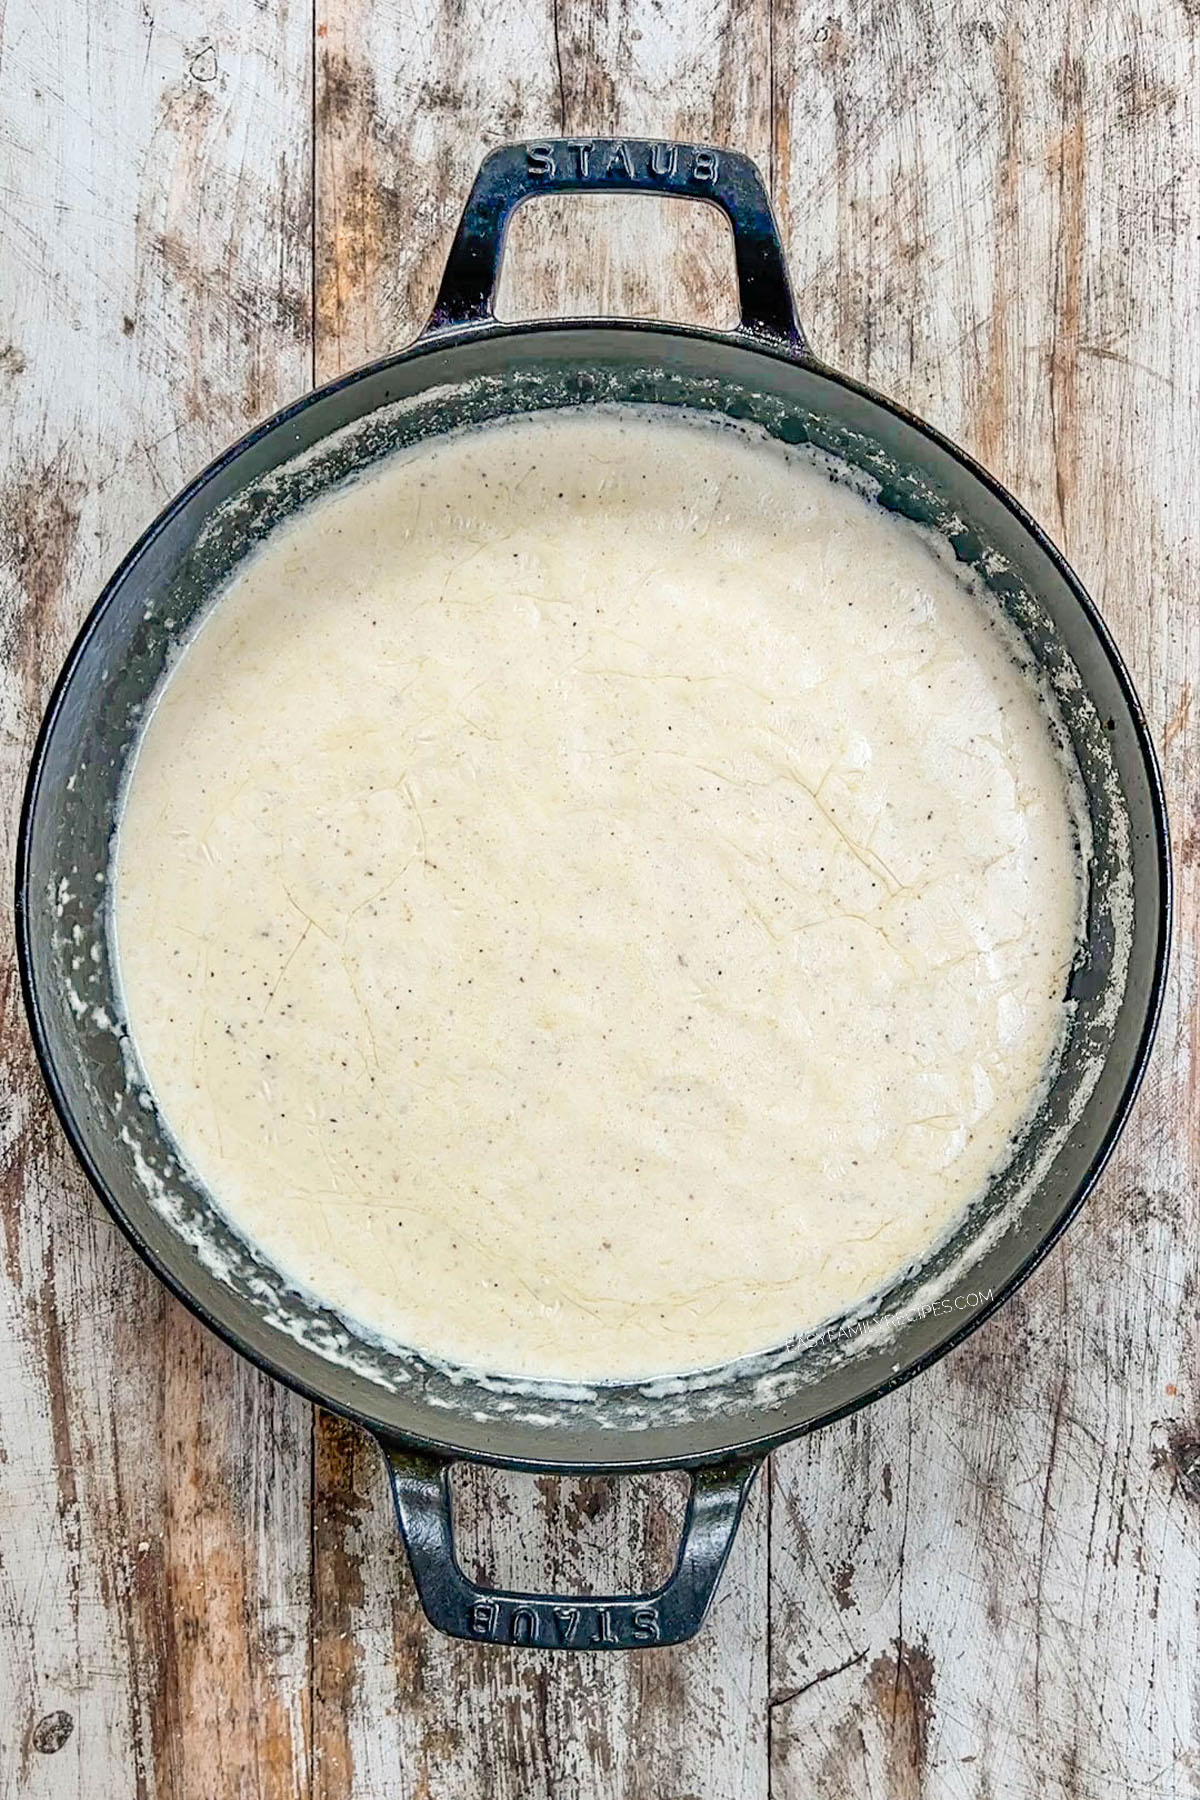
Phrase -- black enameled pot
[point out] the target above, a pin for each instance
(469, 367)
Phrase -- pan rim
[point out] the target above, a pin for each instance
(735, 1442)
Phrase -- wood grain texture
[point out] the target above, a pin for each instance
(405, 110)
(153, 1491)
(988, 1584)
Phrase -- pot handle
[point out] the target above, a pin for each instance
(669, 1615)
(723, 178)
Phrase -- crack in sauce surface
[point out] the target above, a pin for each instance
(596, 896)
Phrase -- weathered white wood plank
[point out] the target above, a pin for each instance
(408, 101)
(989, 1584)
(154, 213)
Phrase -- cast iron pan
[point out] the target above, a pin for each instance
(468, 367)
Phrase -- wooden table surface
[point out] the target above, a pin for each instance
(986, 1585)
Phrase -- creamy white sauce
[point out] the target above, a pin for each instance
(596, 897)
